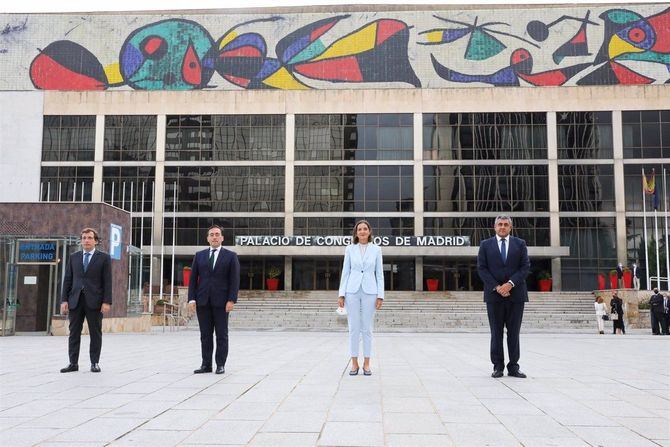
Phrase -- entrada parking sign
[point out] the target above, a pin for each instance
(115, 233)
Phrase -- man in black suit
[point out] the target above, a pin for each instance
(503, 265)
(666, 311)
(657, 314)
(87, 293)
(619, 275)
(212, 292)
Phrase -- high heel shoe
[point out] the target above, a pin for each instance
(354, 372)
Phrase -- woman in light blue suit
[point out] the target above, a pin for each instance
(362, 291)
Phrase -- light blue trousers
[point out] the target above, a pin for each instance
(360, 314)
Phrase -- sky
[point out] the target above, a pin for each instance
(20, 6)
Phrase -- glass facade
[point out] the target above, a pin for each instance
(225, 188)
(130, 138)
(484, 136)
(225, 137)
(370, 136)
(646, 134)
(232, 170)
(354, 188)
(486, 188)
(68, 138)
(584, 135)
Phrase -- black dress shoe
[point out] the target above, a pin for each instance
(517, 373)
(203, 369)
(70, 368)
(220, 370)
(497, 373)
(95, 368)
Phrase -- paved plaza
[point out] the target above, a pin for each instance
(292, 389)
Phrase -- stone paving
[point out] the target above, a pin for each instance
(292, 389)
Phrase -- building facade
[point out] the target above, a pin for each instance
(298, 122)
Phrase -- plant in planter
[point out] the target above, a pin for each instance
(544, 281)
(272, 281)
(627, 278)
(186, 272)
(613, 279)
(432, 283)
(159, 307)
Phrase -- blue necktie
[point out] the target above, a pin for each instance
(211, 259)
(503, 251)
(87, 257)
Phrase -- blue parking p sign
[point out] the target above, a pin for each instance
(115, 233)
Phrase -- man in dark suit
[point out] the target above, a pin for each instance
(503, 265)
(87, 293)
(657, 314)
(666, 311)
(212, 292)
(619, 275)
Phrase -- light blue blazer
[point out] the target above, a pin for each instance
(366, 271)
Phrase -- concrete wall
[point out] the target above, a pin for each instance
(20, 145)
(355, 47)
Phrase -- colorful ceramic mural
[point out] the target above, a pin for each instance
(414, 49)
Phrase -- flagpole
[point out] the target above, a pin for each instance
(667, 229)
(174, 232)
(162, 246)
(151, 247)
(658, 263)
(644, 225)
(139, 277)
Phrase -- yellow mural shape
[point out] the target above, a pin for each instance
(113, 73)
(284, 80)
(227, 39)
(434, 36)
(355, 43)
(618, 46)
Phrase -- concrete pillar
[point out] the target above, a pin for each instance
(159, 202)
(418, 195)
(96, 193)
(418, 273)
(288, 273)
(289, 181)
(554, 221)
(619, 187)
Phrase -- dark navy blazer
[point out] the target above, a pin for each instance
(217, 286)
(494, 273)
(95, 283)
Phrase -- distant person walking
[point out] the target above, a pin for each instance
(617, 311)
(619, 275)
(87, 294)
(362, 292)
(601, 314)
(503, 265)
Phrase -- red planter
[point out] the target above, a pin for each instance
(272, 283)
(432, 284)
(628, 279)
(601, 281)
(544, 285)
(187, 276)
(614, 281)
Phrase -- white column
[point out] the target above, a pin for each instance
(96, 193)
(619, 187)
(159, 203)
(289, 180)
(554, 221)
(418, 194)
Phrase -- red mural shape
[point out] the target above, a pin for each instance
(65, 65)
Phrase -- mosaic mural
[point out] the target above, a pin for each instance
(415, 49)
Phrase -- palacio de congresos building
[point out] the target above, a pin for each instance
(286, 125)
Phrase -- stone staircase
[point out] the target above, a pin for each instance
(415, 311)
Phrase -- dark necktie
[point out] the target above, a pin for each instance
(87, 257)
(503, 251)
(211, 259)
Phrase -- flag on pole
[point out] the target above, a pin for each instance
(649, 186)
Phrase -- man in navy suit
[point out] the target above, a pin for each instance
(503, 265)
(87, 293)
(212, 292)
